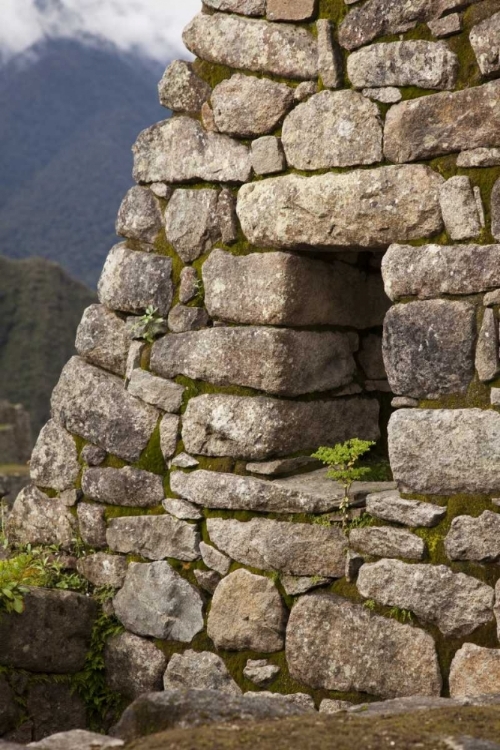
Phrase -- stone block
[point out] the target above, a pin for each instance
(164, 394)
(102, 339)
(387, 542)
(456, 603)
(446, 26)
(208, 580)
(260, 428)
(226, 215)
(214, 559)
(443, 124)
(390, 506)
(92, 524)
(475, 539)
(281, 362)
(245, 44)
(429, 348)
(191, 223)
(169, 435)
(479, 157)
(284, 289)
(485, 41)
(154, 537)
(475, 671)
(180, 150)
(342, 210)
(487, 349)
(246, 106)
(267, 155)
(334, 644)
(445, 451)
(333, 129)
(182, 319)
(133, 665)
(244, 7)
(260, 672)
(247, 614)
(199, 671)
(182, 509)
(291, 10)
(181, 90)
(428, 65)
(458, 204)
(495, 211)
(132, 281)
(282, 466)
(156, 601)
(386, 95)
(304, 90)
(140, 217)
(329, 56)
(54, 461)
(189, 285)
(298, 549)
(55, 709)
(103, 570)
(127, 487)
(37, 519)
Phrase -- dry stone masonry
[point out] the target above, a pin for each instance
(310, 255)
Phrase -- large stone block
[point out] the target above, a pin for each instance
(247, 613)
(484, 39)
(131, 281)
(164, 394)
(281, 362)
(475, 671)
(180, 150)
(429, 65)
(200, 671)
(350, 209)
(435, 270)
(333, 129)
(103, 570)
(476, 539)
(390, 506)
(445, 451)
(443, 123)
(133, 665)
(334, 644)
(38, 519)
(140, 217)
(52, 635)
(246, 106)
(96, 406)
(191, 222)
(429, 348)
(456, 603)
(258, 428)
(103, 340)
(284, 289)
(460, 210)
(92, 524)
(125, 487)
(298, 549)
(154, 537)
(387, 542)
(181, 90)
(246, 44)
(156, 601)
(54, 461)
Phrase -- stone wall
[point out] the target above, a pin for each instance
(308, 139)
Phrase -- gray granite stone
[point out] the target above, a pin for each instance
(102, 339)
(164, 394)
(181, 90)
(487, 351)
(492, 298)
(267, 155)
(246, 106)
(485, 41)
(134, 358)
(304, 90)
(182, 509)
(182, 319)
(54, 461)
(390, 506)
(185, 461)
(387, 542)
(199, 671)
(154, 537)
(133, 665)
(386, 95)
(260, 672)
(495, 210)
(189, 285)
(329, 56)
(370, 357)
(282, 466)
(458, 204)
(295, 585)
(127, 487)
(169, 435)
(140, 217)
(38, 519)
(207, 579)
(103, 570)
(191, 223)
(479, 157)
(92, 524)
(226, 216)
(446, 26)
(214, 559)
(244, 7)
(9, 709)
(291, 10)
(475, 671)
(329, 706)
(476, 539)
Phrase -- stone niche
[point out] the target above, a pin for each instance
(318, 243)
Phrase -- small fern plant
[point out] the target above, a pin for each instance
(342, 460)
(149, 326)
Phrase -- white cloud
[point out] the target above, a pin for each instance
(151, 27)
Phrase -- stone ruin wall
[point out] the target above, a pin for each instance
(313, 146)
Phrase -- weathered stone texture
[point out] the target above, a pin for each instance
(456, 603)
(156, 601)
(133, 665)
(260, 672)
(434, 270)
(38, 519)
(182, 509)
(485, 41)
(370, 357)
(139, 217)
(189, 285)
(292, 548)
(246, 106)
(103, 570)
(386, 95)
(476, 539)
(495, 210)
(245, 7)
(54, 461)
(169, 435)
(387, 542)
(443, 123)
(179, 150)
(247, 613)
(259, 428)
(267, 155)
(282, 466)
(164, 394)
(390, 506)
(283, 50)
(289, 290)
(154, 537)
(429, 348)
(191, 223)
(333, 129)
(280, 362)
(429, 65)
(446, 26)
(181, 90)
(334, 644)
(214, 559)
(125, 487)
(56, 709)
(487, 351)
(479, 157)
(131, 281)
(460, 212)
(182, 319)
(199, 671)
(102, 339)
(208, 579)
(329, 57)
(339, 209)
(290, 10)
(445, 451)
(95, 405)
(475, 671)
(92, 524)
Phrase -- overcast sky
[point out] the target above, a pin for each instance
(151, 27)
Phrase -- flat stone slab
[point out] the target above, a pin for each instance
(390, 506)
(95, 405)
(342, 210)
(200, 671)
(334, 644)
(387, 542)
(126, 487)
(165, 395)
(445, 451)
(476, 539)
(456, 603)
(475, 671)
(260, 428)
(435, 270)
(297, 549)
(277, 361)
(180, 150)
(154, 537)
(283, 50)
(443, 123)
(285, 289)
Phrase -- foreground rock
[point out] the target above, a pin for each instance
(279, 362)
(475, 671)
(134, 665)
(157, 712)
(191, 223)
(124, 487)
(52, 635)
(102, 569)
(246, 106)
(334, 644)
(458, 604)
(76, 739)
(102, 339)
(38, 519)
(54, 461)
(154, 537)
(200, 671)
(258, 428)
(429, 448)
(181, 90)
(297, 549)
(476, 539)
(139, 217)
(338, 209)
(390, 506)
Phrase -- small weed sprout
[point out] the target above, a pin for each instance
(370, 604)
(149, 326)
(401, 615)
(342, 460)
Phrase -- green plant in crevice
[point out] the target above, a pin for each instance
(149, 326)
(370, 604)
(342, 461)
(401, 615)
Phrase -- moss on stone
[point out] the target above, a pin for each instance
(151, 458)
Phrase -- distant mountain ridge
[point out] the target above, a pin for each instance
(70, 114)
